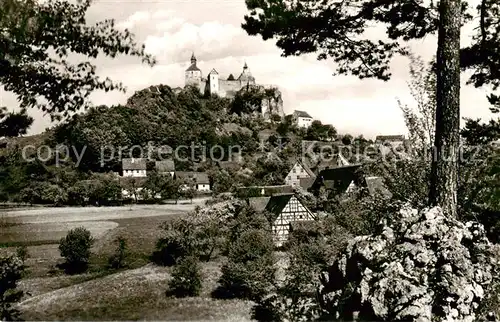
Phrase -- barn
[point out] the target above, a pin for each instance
(285, 209)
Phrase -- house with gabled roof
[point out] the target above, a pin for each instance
(302, 119)
(195, 180)
(284, 210)
(134, 167)
(165, 167)
(338, 180)
(298, 171)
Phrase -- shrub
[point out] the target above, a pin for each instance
(22, 253)
(177, 243)
(250, 272)
(11, 271)
(186, 278)
(117, 260)
(75, 248)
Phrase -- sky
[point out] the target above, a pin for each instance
(172, 29)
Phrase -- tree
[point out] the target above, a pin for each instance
(249, 272)
(14, 124)
(38, 38)
(75, 248)
(337, 30)
(11, 271)
(420, 121)
(186, 278)
(117, 260)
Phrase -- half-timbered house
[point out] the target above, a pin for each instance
(284, 210)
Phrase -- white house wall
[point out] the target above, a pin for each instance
(134, 173)
(296, 173)
(294, 211)
(304, 122)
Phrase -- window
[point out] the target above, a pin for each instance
(289, 177)
(294, 170)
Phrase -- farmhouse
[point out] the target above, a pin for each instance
(134, 167)
(284, 210)
(298, 171)
(195, 180)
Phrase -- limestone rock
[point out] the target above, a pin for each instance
(419, 267)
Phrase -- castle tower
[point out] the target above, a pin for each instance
(213, 82)
(193, 73)
(246, 77)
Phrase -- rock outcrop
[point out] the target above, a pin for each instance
(420, 267)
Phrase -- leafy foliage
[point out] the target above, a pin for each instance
(117, 260)
(11, 271)
(75, 248)
(186, 278)
(38, 38)
(14, 124)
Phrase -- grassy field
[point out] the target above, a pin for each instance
(137, 292)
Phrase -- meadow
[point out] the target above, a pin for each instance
(137, 292)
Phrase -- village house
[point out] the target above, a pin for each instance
(195, 180)
(337, 180)
(299, 170)
(302, 119)
(165, 167)
(284, 210)
(134, 167)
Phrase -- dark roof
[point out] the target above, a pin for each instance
(193, 67)
(258, 203)
(277, 203)
(165, 166)
(301, 114)
(390, 138)
(134, 164)
(213, 71)
(231, 77)
(198, 177)
(339, 178)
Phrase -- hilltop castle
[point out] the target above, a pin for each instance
(215, 85)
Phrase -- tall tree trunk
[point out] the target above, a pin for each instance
(444, 179)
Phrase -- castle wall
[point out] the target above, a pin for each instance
(229, 87)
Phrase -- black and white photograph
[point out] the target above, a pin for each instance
(250, 160)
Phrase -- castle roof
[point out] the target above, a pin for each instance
(193, 67)
(213, 71)
(231, 77)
